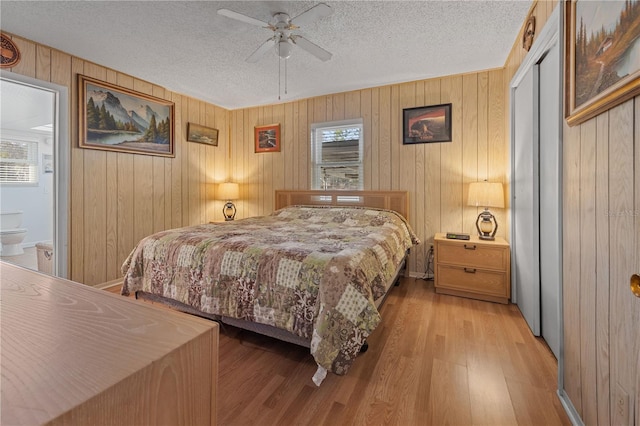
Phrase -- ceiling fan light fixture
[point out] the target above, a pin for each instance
(284, 48)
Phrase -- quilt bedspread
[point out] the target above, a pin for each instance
(313, 271)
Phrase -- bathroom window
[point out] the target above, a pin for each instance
(336, 155)
(19, 162)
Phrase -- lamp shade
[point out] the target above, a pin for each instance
(486, 194)
(228, 191)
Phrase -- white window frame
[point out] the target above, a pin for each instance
(316, 151)
(32, 162)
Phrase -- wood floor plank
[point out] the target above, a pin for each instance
(433, 360)
(449, 402)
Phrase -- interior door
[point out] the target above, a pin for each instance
(524, 202)
(550, 199)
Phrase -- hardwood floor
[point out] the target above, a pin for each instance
(434, 360)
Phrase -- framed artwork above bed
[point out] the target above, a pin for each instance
(426, 124)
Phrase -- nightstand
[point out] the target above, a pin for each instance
(473, 268)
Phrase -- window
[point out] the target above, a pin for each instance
(336, 155)
(19, 162)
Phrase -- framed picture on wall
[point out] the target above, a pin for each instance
(114, 118)
(426, 124)
(267, 138)
(202, 134)
(602, 42)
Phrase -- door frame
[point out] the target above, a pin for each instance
(550, 35)
(61, 166)
(544, 42)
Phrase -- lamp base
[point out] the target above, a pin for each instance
(229, 211)
(487, 225)
(486, 237)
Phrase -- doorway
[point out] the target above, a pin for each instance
(536, 186)
(34, 171)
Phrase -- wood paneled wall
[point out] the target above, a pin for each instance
(118, 198)
(436, 175)
(601, 238)
(601, 242)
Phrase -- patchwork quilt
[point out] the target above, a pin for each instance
(313, 271)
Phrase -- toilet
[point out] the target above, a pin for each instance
(11, 235)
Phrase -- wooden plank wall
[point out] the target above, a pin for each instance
(601, 315)
(118, 198)
(600, 251)
(435, 175)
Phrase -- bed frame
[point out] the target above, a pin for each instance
(392, 200)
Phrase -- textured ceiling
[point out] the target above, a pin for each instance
(188, 48)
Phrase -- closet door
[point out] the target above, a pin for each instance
(550, 199)
(524, 203)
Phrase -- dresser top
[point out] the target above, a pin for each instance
(499, 241)
(63, 342)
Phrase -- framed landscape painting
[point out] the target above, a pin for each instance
(202, 134)
(602, 67)
(114, 118)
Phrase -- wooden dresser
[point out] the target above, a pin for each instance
(72, 354)
(474, 268)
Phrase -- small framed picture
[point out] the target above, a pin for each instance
(426, 124)
(268, 138)
(202, 134)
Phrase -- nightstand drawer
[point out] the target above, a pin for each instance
(472, 254)
(473, 280)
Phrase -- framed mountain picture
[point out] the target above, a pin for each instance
(114, 118)
(602, 69)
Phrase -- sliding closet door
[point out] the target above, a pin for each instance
(524, 203)
(550, 199)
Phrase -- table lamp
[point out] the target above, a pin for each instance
(486, 194)
(228, 192)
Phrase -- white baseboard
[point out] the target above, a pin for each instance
(109, 284)
(570, 409)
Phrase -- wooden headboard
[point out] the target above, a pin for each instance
(391, 200)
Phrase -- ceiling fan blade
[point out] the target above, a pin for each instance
(260, 51)
(316, 12)
(312, 48)
(243, 18)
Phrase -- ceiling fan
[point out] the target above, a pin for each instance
(282, 26)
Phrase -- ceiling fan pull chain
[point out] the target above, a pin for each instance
(279, 67)
(285, 76)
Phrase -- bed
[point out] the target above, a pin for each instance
(312, 273)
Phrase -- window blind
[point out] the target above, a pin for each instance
(18, 162)
(337, 155)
